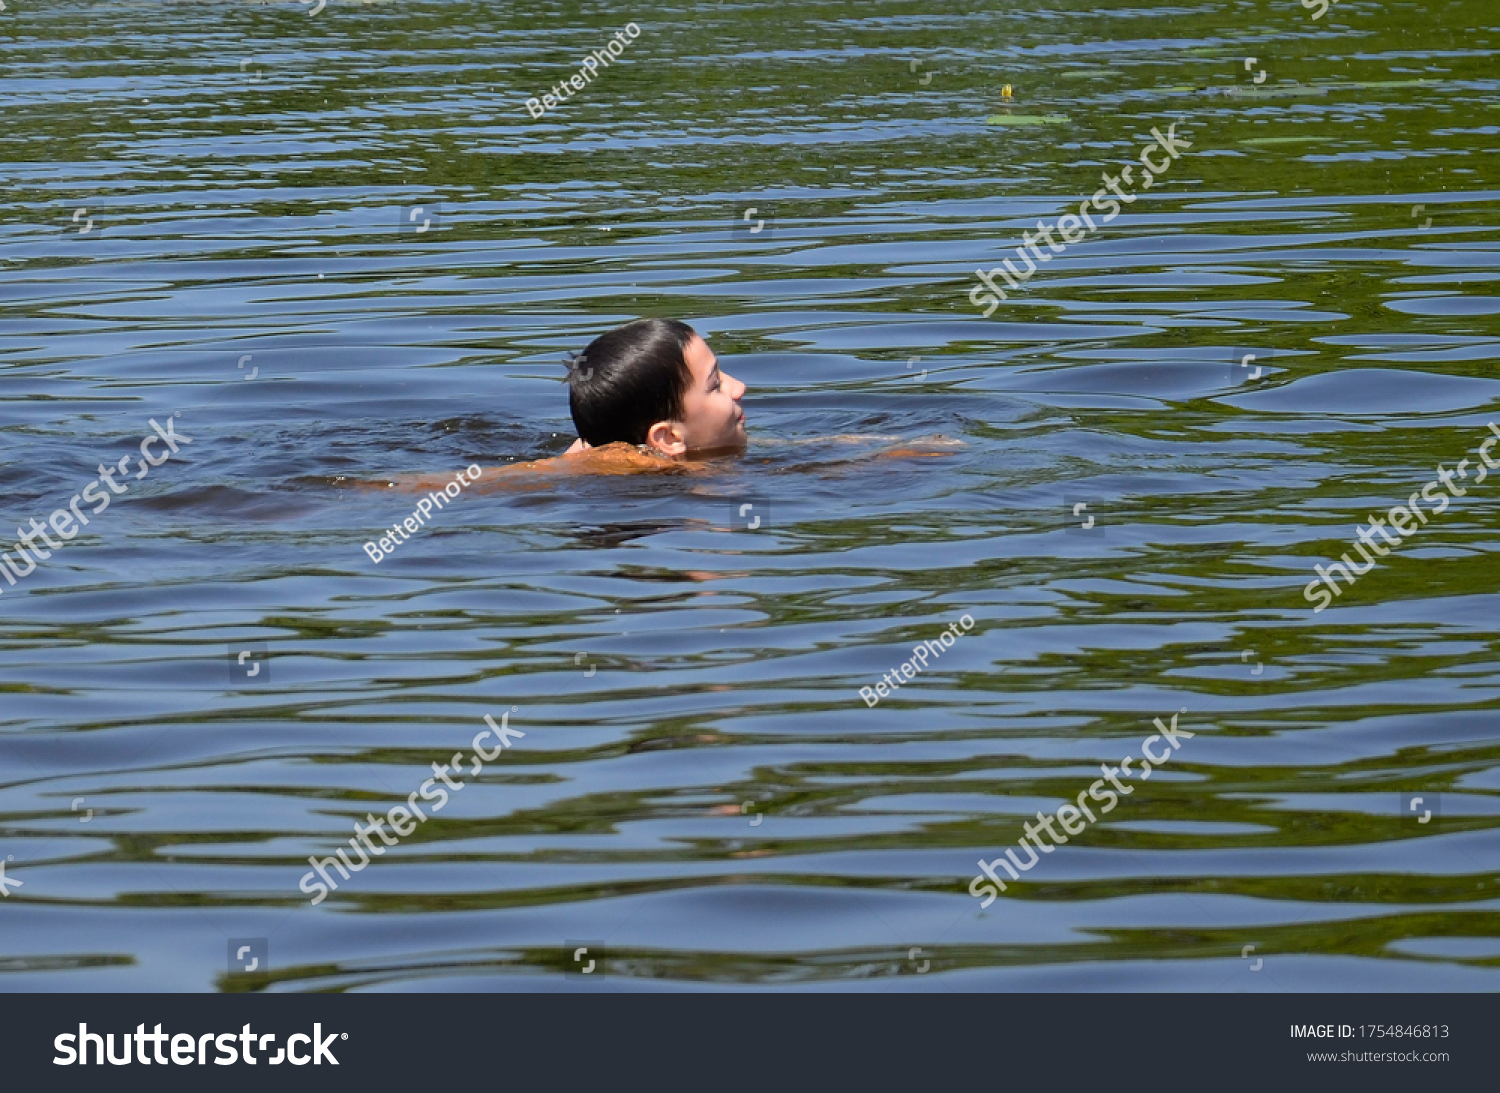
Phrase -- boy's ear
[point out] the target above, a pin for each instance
(666, 437)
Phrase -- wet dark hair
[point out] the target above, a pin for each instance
(628, 379)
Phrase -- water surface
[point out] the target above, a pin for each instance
(339, 248)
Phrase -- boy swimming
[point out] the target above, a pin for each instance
(648, 396)
(656, 384)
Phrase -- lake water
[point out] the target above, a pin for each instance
(335, 243)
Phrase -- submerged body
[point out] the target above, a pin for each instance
(621, 458)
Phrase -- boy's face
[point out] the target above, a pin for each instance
(711, 416)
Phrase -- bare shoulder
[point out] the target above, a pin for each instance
(616, 458)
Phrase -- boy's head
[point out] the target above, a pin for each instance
(655, 382)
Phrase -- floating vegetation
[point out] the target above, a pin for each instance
(1028, 119)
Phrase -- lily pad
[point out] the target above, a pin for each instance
(1028, 119)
